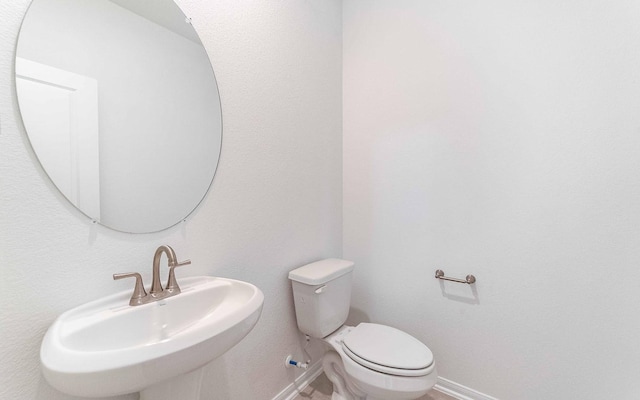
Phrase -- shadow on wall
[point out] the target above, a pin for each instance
(462, 293)
(356, 316)
(215, 383)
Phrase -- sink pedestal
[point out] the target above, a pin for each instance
(183, 387)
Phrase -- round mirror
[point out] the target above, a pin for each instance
(121, 107)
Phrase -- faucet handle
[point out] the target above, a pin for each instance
(180, 264)
(172, 283)
(138, 292)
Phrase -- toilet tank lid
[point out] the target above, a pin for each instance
(322, 271)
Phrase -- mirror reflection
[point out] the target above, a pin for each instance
(121, 107)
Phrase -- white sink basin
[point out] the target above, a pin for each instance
(107, 348)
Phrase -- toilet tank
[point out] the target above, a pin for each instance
(322, 295)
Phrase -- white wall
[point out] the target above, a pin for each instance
(499, 138)
(275, 202)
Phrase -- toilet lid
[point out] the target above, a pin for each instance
(387, 350)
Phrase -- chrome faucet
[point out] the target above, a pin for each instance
(156, 292)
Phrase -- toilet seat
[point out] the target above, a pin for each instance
(388, 350)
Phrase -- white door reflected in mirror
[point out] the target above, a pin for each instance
(140, 154)
(62, 109)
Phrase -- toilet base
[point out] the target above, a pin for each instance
(343, 389)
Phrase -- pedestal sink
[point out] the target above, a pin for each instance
(107, 348)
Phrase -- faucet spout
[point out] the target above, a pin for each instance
(156, 285)
(157, 292)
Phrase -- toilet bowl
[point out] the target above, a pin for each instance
(380, 369)
(368, 361)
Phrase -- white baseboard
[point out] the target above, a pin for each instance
(458, 391)
(301, 382)
(443, 385)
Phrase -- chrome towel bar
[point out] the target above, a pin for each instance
(469, 279)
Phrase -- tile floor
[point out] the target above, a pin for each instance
(321, 389)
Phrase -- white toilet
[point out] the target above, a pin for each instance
(368, 361)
